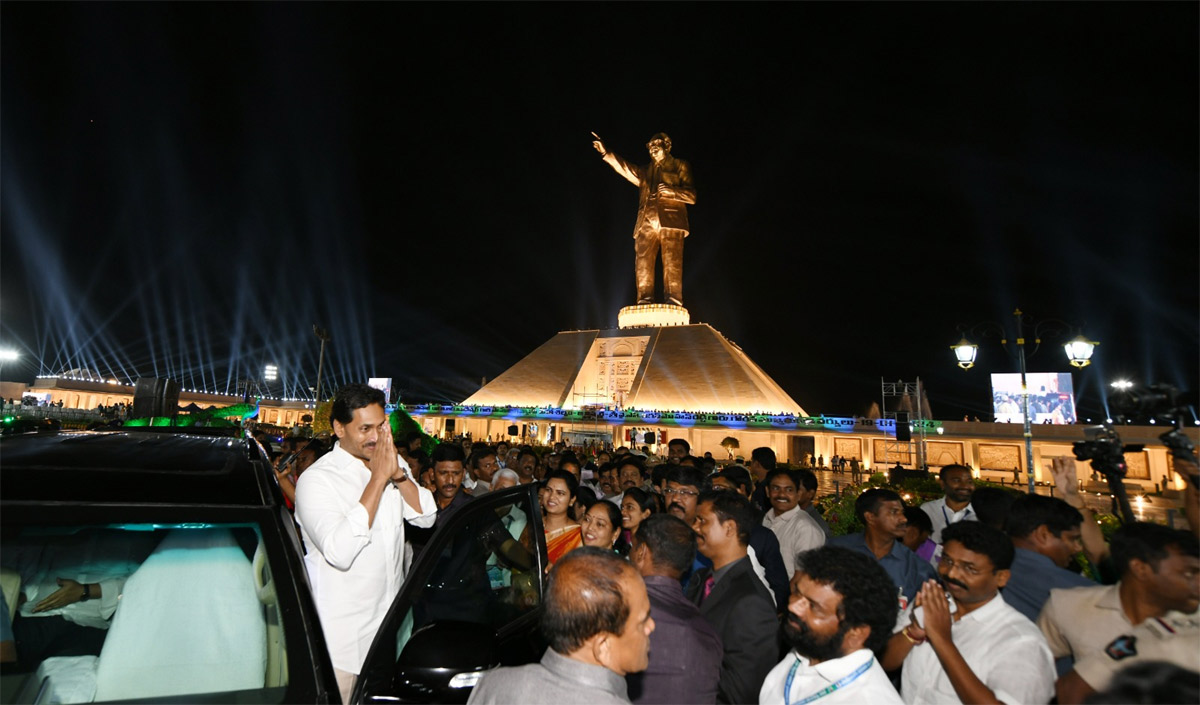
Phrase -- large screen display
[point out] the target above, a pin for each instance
(1051, 398)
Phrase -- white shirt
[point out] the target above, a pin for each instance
(871, 687)
(796, 531)
(942, 516)
(355, 570)
(1003, 649)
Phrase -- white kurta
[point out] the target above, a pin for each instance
(1003, 648)
(871, 687)
(355, 570)
(797, 532)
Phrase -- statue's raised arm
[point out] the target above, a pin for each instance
(665, 190)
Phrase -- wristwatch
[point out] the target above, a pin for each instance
(87, 593)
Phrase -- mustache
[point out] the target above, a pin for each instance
(676, 505)
(951, 581)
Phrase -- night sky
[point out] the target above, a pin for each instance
(188, 188)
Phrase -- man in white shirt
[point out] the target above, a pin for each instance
(978, 650)
(351, 506)
(955, 506)
(795, 529)
(841, 610)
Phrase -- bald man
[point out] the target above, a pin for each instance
(597, 623)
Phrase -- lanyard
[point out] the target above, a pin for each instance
(787, 688)
(966, 513)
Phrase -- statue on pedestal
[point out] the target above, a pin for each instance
(665, 189)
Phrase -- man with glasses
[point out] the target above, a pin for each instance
(976, 649)
(683, 485)
(794, 528)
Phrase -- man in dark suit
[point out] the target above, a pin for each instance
(664, 192)
(685, 651)
(732, 598)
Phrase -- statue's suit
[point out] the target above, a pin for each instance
(662, 223)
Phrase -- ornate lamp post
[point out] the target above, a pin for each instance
(1079, 353)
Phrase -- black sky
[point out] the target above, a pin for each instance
(188, 187)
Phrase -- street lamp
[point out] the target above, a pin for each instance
(1079, 354)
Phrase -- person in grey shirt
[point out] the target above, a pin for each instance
(597, 623)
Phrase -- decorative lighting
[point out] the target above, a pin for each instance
(8, 355)
(271, 373)
(1122, 384)
(1079, 351)
(965, 351)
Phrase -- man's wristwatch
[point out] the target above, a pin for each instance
(87, 593)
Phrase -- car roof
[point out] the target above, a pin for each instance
(133, 467)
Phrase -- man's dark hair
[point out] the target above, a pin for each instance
(791, 475)
(1149, 682)
(413, 436)
(570, 460)
(447, 452)
(706, 464)
(671, 541)
(605, 468)
(917, 517)
(1030, 511)
(978, 537)
(808, 479)
(568, 477)
(870, 500)
(688, 475)
(526, 450)
(418, 460)
(738, 475)
(352, 397)
(868, 593)
(478, 453)
(946, 469)
(731, 505)
(765, 457)
(992, 505)
(659, 473)
(633, 460)
(687, 447)
(584, 598)
(1148, 543)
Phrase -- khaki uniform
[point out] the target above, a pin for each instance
(1174, 640)
(1090, 624)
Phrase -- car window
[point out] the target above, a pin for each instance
(184, 611)
(486, 573)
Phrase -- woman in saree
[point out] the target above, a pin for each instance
(562, 532)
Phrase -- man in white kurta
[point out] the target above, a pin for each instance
(351, 506)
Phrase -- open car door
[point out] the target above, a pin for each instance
(472, 601)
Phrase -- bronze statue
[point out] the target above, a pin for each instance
(665, 189)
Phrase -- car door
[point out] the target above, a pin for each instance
(472, 601)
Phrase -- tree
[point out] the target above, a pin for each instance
(730, 444)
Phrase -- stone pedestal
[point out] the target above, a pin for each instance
(653, 316)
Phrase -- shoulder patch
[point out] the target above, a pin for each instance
(1122, 647)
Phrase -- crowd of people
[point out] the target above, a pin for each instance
(675, 580)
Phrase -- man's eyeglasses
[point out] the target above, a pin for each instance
(681, 493)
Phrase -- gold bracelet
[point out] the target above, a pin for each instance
(914, 642)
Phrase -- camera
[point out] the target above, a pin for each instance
(1157, 403)
(1104, 448)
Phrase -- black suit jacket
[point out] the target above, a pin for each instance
(741, 611)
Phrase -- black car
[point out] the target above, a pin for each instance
(203, 595)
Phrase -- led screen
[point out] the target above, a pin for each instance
(1051, 398)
